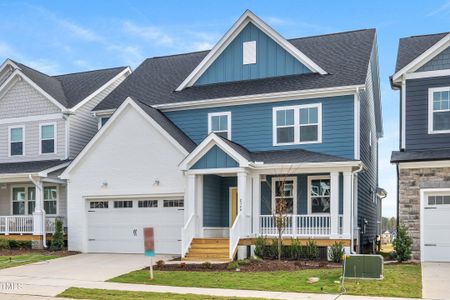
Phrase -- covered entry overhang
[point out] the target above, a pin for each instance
(314, 182)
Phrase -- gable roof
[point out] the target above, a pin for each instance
(70, 89)
(345, 56)
(232, 33)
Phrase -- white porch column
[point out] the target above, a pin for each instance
(334, 204)
(39, 213)
(189, 205)
(347, 209)
(199, 205)
(244, 203)
(256, 200)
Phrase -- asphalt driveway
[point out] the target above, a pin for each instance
(435, 280)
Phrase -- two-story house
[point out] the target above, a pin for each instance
(205, 146)
(422, 75)
(45, 121)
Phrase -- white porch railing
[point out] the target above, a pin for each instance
(16, 225)
(298, 225)
(236, 231)
(187, 235)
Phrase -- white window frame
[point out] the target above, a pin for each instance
(431, 91)
(100, 120)
(297, 125)
(54, 138)
(26, 201)
(57, 198)
(218, 114)
(310, 179)
(23, 140)
(295, 200)
(249, 52)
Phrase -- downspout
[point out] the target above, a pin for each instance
(352, 243)
(44, 234)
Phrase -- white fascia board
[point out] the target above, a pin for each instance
(104, 112)
(211, 140)
(45, 172)
(262, 98)
(126, 71)
(229, 36)
(423, 58)
(428, 74)
(128, 102)
(8, 62)
(321, 165)
(32, 118)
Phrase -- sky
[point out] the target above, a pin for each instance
(62, 36)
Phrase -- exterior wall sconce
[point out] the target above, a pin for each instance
(104, 184)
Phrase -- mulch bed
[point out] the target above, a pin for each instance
(253, 266)
(13, 252)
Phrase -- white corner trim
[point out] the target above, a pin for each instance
(217, 114)
(229, 36)
(423, 58)
(128, 102)
(357, 125)
(126, 71)
(431, 109)
(403, 115)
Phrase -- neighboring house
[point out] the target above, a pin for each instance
(201, 146)
(422, 75)
(45, 121)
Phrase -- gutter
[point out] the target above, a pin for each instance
(352, 243)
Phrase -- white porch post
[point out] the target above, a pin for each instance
(244, 200)
(347, 209)
(39, 213)
(256, 184)
(199, 204)
(334, 204)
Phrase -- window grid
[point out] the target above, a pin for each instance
(98, 204)
(439, 110)
(319, 194)
(16, 141)
(439, 200)
(147, 203)
(173, 203)
(123, 204)
(48, 138)
(220, 123)
(284, 189)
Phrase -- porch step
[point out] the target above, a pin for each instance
(210, 249)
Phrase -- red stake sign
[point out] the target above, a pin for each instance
(149, 246)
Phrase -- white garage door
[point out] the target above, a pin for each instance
(436, 228)
(116, 226)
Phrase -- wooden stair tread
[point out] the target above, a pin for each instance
(210, 249)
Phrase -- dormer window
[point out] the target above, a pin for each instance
(439, 110)
(220, 124)
(249, 52)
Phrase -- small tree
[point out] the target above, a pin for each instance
(280, 220)
(402, 245)
(57, 243)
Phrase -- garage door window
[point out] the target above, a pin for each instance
(438, 200)
(98, 204)
(147, 203)
(173, 203)
(123, 204)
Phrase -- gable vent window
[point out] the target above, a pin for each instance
(16, 138)
(439, 110)
(249, 52)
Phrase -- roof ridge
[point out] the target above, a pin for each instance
(178, 54)
(90, 71)
(333, 33)
(424, 35)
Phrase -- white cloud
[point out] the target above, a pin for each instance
(444, 8)
(79, 31)
(149, 33)
(130, 55)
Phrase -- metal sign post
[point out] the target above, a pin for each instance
(149, 246)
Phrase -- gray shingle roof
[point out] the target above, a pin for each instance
(423, 155)
(29, 166)
(70, 89)
(410, 48)
(345, 56)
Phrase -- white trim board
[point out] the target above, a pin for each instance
(424, 164)
(231, 34)
(218, 114)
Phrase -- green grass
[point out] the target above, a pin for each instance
(23, 259)
(97, 294)
(400, 281)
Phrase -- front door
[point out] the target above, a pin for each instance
(233, 205)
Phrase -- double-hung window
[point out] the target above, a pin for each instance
(301, 124)
(48, 138)
(50, 199)
(319, 189)
(23, 200)
(220, 124)
(284, 195)
(439, 110)
(16, 141)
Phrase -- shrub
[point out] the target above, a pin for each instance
(244, 262)
(57, 243)
(15, 244)
(260, 245)
(160, 263)
(295, 250)
(337, 252)
(233, 265)
(4, 244)
(273, 249)
(402, 245)
(207, 265)
(311, 251)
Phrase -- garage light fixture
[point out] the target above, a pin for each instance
(156, 182)
(104, 184)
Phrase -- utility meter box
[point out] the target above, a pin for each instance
(364, 266)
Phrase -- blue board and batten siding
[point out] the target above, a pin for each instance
(215, 158)
(416, 129)
(251, 125)
(216, 200)
(440, 62)
(271, 60)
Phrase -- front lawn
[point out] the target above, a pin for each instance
(400, 280)
(9, 261)
(97, 294)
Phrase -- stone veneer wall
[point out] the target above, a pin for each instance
(411, 181)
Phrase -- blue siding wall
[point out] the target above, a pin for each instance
(271, 60)
(216, 203)
(440, 62)
(252, 125)
(302, 194)
(215, 158)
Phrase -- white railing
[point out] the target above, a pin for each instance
(296, 225)
(50, 223)
(16, 225)
(187, 235)
(236, 231)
